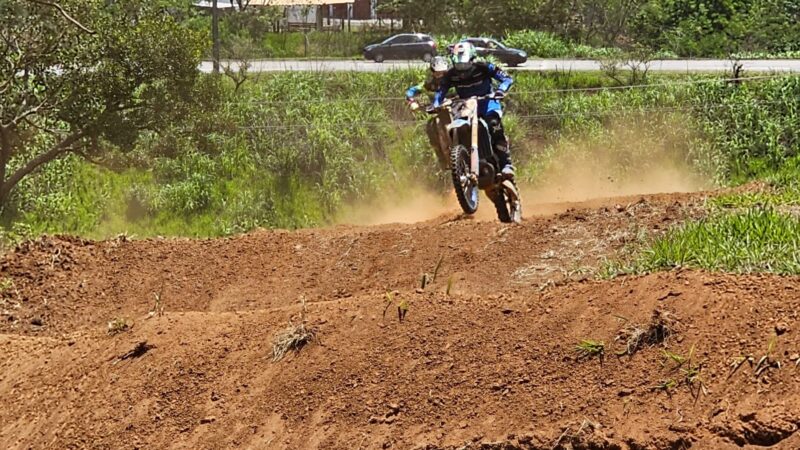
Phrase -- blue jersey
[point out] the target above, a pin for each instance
(475, 82)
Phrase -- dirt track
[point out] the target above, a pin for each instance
(492, 365)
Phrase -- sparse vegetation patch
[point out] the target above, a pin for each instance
(759, 239)
(118, 325)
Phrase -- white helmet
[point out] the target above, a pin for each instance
(439, 64)
(463, 55)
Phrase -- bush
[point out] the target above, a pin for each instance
(756, 126)
(538, 44)
(316, 44)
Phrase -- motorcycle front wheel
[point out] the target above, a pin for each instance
(513, 202)
(466, 187)
(507, 202)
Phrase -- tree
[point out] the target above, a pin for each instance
(80, 75)
(694, 28)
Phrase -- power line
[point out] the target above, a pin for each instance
(531, 117)
(535, 92)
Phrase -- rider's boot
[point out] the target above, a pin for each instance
(504, 160)
(501, 145)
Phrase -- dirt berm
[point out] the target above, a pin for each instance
(492, 364)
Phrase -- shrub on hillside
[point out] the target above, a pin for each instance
(538, 44)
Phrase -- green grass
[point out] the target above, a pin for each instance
(758, 239)
(295, 150)
(765, 197)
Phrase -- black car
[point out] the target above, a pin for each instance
(490, 47)
(402, 46)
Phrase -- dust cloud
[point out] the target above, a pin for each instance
(412, 206)
(559, 187)
(628, 162)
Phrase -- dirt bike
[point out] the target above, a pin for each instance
(474, 165)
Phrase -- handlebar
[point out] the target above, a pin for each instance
(449, 101)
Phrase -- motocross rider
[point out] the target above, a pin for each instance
(473, 78)
(437, 125)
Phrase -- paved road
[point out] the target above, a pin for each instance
(575, 65)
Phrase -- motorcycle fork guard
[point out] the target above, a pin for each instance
(510, 190)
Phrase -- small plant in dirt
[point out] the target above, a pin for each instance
(569, 439)
(6, 284)
(402, 306)
(764, 364)
(118, 325)
(738, 362)
(690, 371)
(294, 337)
(437, 268)
(158, 305)
(767, 362)
(666, 386)
(675, 358)
(692, 379)
(402, 310)
(588, 348)
(428, 278)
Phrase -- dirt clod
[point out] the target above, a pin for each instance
(782, 328)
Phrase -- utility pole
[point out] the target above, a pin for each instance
(215, 35)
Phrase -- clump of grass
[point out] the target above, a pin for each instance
(118, 325)
(588, 348)
(781, 197)
(294, 337)
(663, 324)
(6, 284)
(759, 239)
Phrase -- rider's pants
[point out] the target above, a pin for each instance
(499, 138)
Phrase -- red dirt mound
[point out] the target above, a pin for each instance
(485, 357)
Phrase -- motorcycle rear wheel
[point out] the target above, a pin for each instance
(465, 186)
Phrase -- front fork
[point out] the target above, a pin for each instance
(474, 164)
